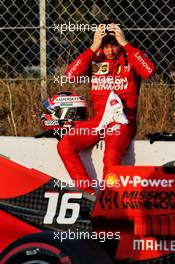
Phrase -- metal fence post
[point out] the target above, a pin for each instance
(43, 70)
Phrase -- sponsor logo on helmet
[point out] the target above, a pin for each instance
(66, 104)
(51, 123)
(68, 98)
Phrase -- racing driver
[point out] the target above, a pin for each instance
(115, 68)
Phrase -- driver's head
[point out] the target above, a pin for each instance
(109, 44)
(110, 47)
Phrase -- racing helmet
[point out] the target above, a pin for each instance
(64, 108)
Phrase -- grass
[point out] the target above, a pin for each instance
(156, 109)
(20, 107)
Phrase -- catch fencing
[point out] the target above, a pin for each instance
(40, 38)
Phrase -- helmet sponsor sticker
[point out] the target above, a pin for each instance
(67, 98)
(51, 122)
(66, 104)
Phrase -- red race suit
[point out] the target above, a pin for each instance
(123, 76)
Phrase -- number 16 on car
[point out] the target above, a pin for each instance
(65, 205)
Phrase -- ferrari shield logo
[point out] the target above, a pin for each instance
(118, 68)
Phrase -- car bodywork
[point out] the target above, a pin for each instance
(140, 206)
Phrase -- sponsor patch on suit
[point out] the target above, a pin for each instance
(100, 68)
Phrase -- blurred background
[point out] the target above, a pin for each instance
(34, 53)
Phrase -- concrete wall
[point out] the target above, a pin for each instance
(41, 154)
